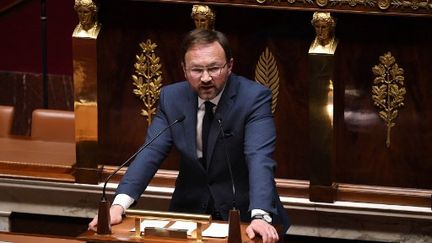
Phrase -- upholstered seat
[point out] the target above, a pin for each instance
(53, 125)
(6, 118)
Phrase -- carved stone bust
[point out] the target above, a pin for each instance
(325, 42)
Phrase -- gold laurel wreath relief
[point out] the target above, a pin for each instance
(388, 90)
(267, 73)
(148, 78)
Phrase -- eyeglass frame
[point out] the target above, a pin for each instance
(201, 70)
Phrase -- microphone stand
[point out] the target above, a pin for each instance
(234, 232)
(43, 19)
(104, 217)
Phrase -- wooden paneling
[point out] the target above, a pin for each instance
(119, 108)
(361, 157)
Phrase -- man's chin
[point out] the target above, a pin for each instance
(207, 95)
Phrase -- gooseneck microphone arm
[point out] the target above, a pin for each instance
(180, 119)
(234, 233)
(104, 224)
(219, 120)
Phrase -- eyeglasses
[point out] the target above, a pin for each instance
(212, 71)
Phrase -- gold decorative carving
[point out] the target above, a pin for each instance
(413, 4)
(148, 78)
(372, 4)
(203, 17)
(289, 1)
(383, 4)
(267, 73)
(353, 3)
(322, 3)
(388, 90)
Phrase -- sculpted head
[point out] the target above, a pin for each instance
(324, 25)
(203, 17)
(87, 13)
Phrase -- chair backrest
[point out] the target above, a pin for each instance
(53, 125)
(6, 118)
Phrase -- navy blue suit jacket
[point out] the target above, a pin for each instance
(245, 109)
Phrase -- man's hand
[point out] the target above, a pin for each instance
(267, 231)
(116, 212)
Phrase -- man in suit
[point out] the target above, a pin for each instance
(239, 121)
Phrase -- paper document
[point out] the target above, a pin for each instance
(189, 226)
(216, 230)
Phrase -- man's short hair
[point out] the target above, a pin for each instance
(204, 36)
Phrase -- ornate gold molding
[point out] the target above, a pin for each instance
(388, 90)
(148, 78)
(373, 4)
(413, 4)
(289, 1)
(267, 73)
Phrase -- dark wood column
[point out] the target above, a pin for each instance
(321, 139)
(86, 107)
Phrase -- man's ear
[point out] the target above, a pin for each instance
(184, 69)
(230, 65)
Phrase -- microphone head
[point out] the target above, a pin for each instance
(180, 118)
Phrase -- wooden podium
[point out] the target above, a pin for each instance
(122, 233)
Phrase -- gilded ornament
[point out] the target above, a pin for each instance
(289, 1)
(372, 4)
(413, 4)
(354, 3)
(388, 90)
(322, 3)
(148, 78)
(267, 73)
(383, 4)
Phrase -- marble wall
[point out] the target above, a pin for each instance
(24, 91)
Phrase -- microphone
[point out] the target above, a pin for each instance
(104, 219)
(234, 233)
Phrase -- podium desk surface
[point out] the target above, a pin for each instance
(22, 149)
(23, 157)
(122, 233)
(28, 238)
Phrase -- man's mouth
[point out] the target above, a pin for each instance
(205, 88)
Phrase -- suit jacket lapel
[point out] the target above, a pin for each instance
(190, 111)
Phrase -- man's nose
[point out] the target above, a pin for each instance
(205, 77)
